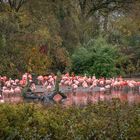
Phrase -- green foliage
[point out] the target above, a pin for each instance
(16, 60)
(63, 25)
(105, 120)
(8, 64)
(125, 34)
(97, 57)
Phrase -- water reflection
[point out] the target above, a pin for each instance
(83, 98)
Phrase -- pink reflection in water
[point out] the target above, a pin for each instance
(12, 98)
(81, 98)
(85, 98)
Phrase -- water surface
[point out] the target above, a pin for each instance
(84, 96)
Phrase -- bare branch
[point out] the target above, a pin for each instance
(20, 4)
(16, 4)
(106, 5)
(82, 4)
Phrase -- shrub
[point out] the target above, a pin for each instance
(18, 59)
(97, 57)
(105, 120)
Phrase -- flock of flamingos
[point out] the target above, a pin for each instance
(11, 88)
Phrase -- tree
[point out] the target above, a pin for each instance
(57, 28)
(90, 7)
(124, 31)
(97, 57)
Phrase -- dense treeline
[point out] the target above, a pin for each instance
(109, 120)
(85, 36)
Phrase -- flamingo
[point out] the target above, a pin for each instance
(1, 99)
(17, 90)
(107, 87)
(74, 86)
(49, 87)
(102, 89)
(76, 82)
(40, 79)
(84, 84)
(33, 87)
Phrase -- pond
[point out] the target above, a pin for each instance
(84, 96)
(81, 98)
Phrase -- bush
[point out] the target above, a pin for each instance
(18, 59)
(97, 57)
(105, 120)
